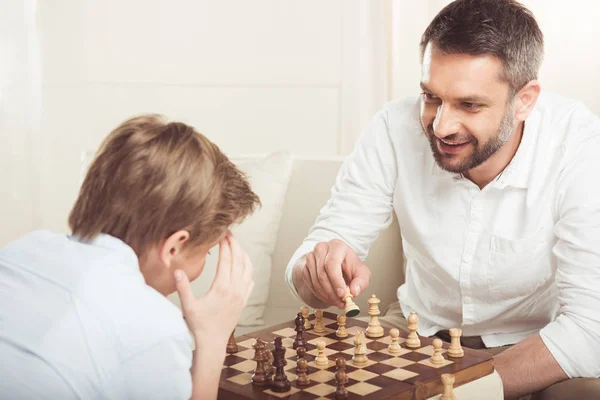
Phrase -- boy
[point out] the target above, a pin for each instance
(85, 315)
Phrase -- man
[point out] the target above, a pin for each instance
(492, 181)
(84, 316)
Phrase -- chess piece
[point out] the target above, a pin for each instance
(319, 327)
(231, 344)
(269, 367)
(280, 382)
(351, 309)
(341, 379)
(437, 357)
(394, 347)
(341, 330)
(307, 325)
(413, 341)
(302, 368)
(455, 350)
(360, 350)
(299, 341)
(321, 360)
(260, 378)
(448, 382)
(375, 330)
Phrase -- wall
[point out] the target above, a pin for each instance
(253, 76)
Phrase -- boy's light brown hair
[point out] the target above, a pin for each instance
(151, 178)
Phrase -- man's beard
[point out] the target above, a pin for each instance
(480, 153)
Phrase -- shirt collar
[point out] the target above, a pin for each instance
(517, 172)
(111, 243)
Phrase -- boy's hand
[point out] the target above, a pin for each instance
(213, 316)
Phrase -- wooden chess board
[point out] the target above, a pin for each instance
(405, 375)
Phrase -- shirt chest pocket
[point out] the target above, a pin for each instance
(517, 267)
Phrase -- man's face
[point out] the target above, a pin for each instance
(466, 112)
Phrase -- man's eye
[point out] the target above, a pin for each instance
(428, 96)
(471, 106)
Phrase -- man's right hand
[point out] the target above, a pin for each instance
(328, 270)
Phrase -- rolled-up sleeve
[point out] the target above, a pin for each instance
(361, 200)
(574, 337)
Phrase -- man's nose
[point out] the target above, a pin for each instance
(445, 122)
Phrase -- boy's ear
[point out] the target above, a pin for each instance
(526, 99)
(173, 246)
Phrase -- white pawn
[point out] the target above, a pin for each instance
(360, 351)
(437, 357)
(413, 341)
(321, 359)
(375, 330)
(319, 327)
(394, 347)
(341, 331)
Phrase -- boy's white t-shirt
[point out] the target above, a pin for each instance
(77, 320)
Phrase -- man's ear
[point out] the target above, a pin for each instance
(173, 246)
(525, 99)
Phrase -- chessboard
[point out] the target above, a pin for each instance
(408, 374)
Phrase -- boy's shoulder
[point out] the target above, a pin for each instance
(107, 290)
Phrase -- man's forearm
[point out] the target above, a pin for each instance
(206, 369)
(527, 367)
(303, 291)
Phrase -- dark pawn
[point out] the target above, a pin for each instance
(280, 382)
(299, 342)
(231, 344)
(302, 368)
(341, 379)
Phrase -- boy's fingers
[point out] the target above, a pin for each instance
(223, 273)
(184, 291)
(238, 255)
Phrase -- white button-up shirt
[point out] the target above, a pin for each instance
(520, 256)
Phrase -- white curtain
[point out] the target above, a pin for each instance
(19, 118)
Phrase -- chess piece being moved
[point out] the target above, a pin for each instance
(437, 357)
(260, 376)
(280, 382)
(341, 379)
(351, 309)
(299, 341)
(341, 330)
(302, 368)
(394, 347)
(413, 341)
(307, 325)
(321, 360)
(448, 382)
(319, 327)
(360, 350)
(375, 330)
(455, 350)
(231, 344)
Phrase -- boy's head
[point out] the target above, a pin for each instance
(166, 191)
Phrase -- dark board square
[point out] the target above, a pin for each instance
(232, 360)
(382, 381)
(415, 356)
(340, 346)
(229, 372)
(374, 345)
(379, 368)
(379, 357)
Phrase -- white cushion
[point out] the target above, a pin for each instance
(269, 177)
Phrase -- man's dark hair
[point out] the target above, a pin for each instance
(504, 29)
